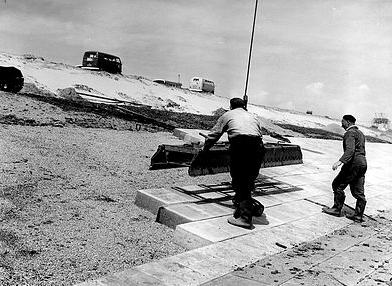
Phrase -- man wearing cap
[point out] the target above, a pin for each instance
(352, 172)
(246, 152)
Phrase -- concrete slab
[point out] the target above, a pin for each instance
(300, 180)
(232, 280)
(124, 278)
(173, 215)
(383, 275)
(201, 265)
(273, 270)
(292, 211)
(378, 204)
(297, 195)
(312, 278)
(204, 264)
(153, 199)
(377, 189)
(213, 196)
(351, 266)
(321, 224)
(201, 233)
(269, 200)
(221, 258)
(193, 135)
(170, 272)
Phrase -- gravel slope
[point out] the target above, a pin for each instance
(67, 195)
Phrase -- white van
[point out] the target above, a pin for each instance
(201, 84)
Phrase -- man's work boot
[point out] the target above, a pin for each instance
(241, 222)
(242, 215)
(237, 210)
(338, 202)
(359, 210)
(257, 208)
(332, 211)
(355, 218)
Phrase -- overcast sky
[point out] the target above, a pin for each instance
(329, 56)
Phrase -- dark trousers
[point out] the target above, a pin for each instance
(246, 155)
(352, 174)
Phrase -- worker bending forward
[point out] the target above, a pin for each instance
(246, 154)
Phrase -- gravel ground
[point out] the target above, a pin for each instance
(67, 195)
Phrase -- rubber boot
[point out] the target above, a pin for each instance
(257, 208)
(242, 216)
(332, 211)
(358, 213)
(336, 209)
(241, 222)
(237, 212)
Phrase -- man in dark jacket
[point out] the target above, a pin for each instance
(353, 171)
(246, 154)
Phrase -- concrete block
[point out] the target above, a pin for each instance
(378, 189)
(170, 272)
(173, 215)
(351, 266)
(179, 133)
(213, 196)
(193, 136)
(201, 233)
(153, 199)
(232, 280)
(301, 194)
(322, 200)
(189, 239)
(216, 260)
(321, 224)
(259, 243)
(292, 211)
(382, 274)
(197, 234)
(295, 180)
(204, 264)
(378, 204)
(124, 278)
(316, 189)
(269, 200)
(312, 278)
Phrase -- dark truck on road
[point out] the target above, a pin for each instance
(11, 79)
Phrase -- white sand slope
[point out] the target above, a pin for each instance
(53, 77)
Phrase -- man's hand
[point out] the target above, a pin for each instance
(336, 165)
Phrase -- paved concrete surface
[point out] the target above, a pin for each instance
(293, 197)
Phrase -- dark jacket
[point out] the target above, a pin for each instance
(353, 147)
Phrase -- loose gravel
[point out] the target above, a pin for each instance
(67, 203)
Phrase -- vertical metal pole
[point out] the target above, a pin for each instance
(250, 56)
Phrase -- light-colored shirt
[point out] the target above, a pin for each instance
(235, 122)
